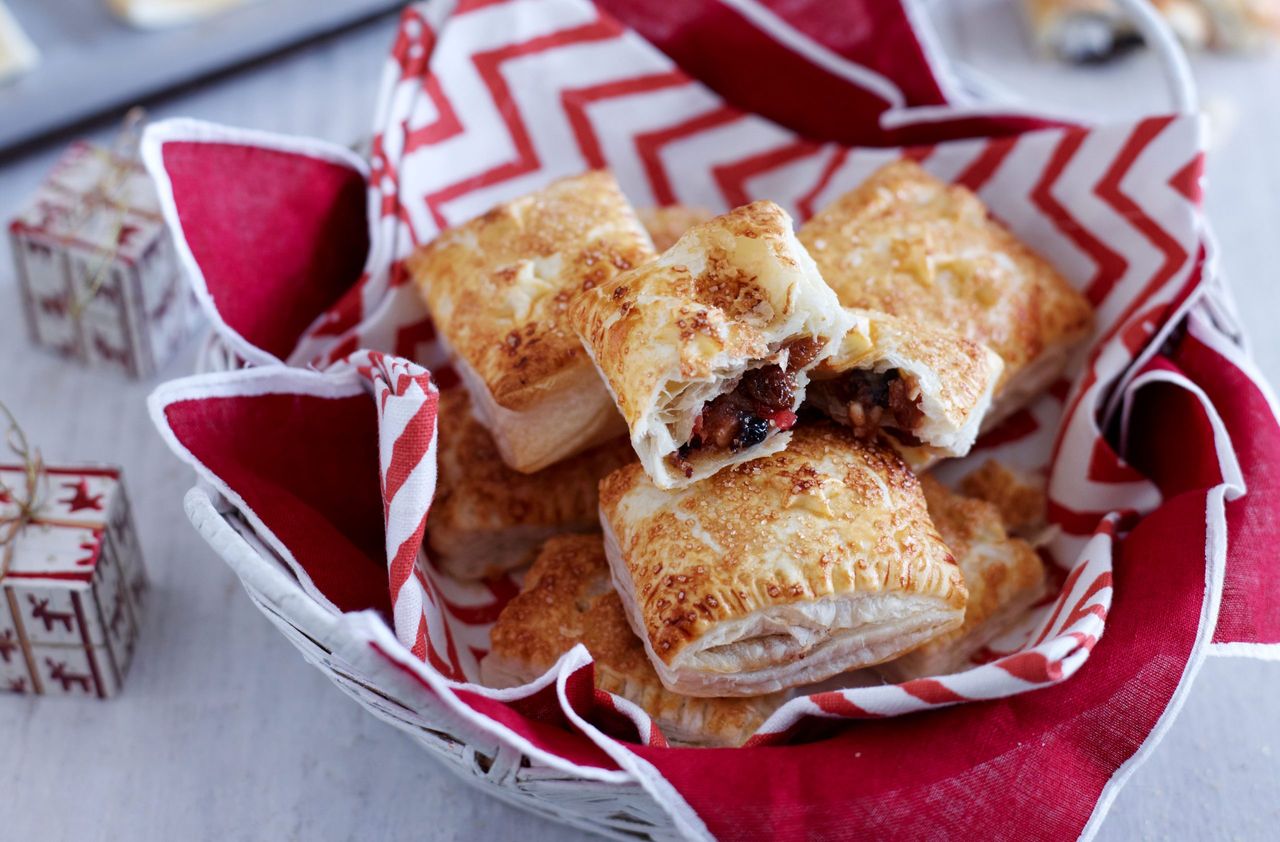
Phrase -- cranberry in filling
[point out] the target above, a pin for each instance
(743, 418)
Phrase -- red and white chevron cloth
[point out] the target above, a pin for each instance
(294, 247)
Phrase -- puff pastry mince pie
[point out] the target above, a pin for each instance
(567, 599)
(907, 244)
(783, 571)
(928, 389)
(499, 289)
(486, 517)
(707, 349)
(1004, 577)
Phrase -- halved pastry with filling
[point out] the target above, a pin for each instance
(907, 244)
(1004, 577)
(783, 571)
(926, 388)
(708, 348)
(567, 599)
(499, 289)
(487, 518)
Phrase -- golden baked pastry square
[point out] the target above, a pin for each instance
(499, 289)
(1003, 575)
(907, 244)
(782, 571)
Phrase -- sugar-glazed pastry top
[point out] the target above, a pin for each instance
(736, 302)
(785, 570)
(907, 244)
(567, 599)
(499, 287)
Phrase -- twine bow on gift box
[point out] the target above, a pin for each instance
(119, 162)
(28, 499)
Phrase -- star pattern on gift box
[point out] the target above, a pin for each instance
(81, 498)
(54, 305)
(70, 596)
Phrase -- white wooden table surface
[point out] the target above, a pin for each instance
(224, 733)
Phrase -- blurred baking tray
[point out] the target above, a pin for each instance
(91, 61)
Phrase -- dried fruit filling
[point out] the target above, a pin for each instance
(744, 417)
(760, 403)
(876, 400)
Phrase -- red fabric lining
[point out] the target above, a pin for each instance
(244, 234)
(714, 44)
(308, 467)
(1191, 437)
(1076, 733)
(1250, 610)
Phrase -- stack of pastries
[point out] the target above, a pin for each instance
(708, 437)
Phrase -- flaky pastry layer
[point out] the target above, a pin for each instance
(782, 571)
(499, 290)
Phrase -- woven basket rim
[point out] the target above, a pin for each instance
(616, 810)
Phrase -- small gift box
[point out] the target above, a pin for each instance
(99, 278)
(71, 581)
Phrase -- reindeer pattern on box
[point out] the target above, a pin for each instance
(74, 586)
(97, 269)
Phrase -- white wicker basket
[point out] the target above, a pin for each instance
(623, 811)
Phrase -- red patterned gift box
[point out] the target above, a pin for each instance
(96, 266)
(71, 584)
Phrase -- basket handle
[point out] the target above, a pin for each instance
(1151, 25)
(1158, 35)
